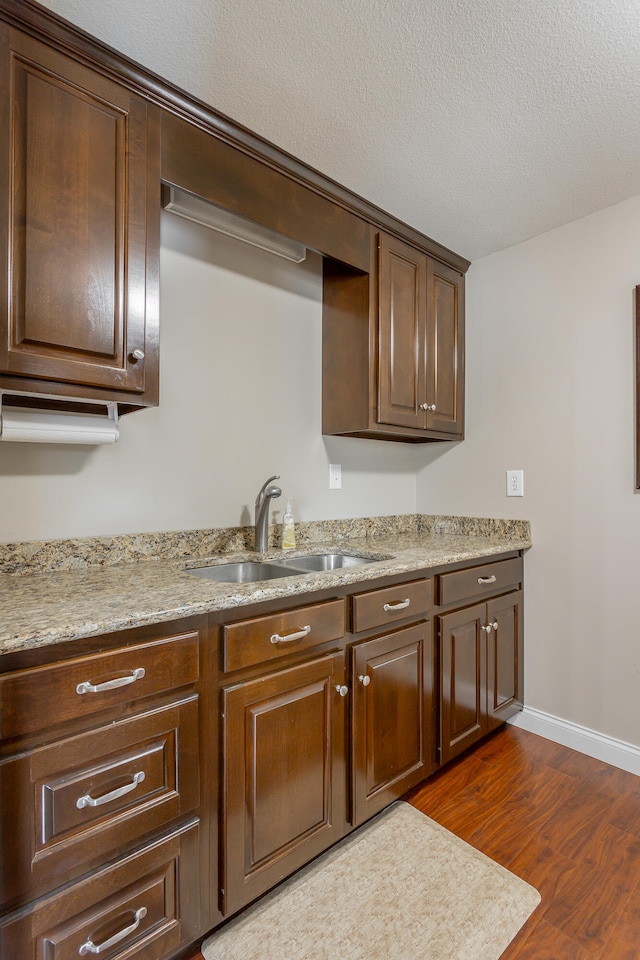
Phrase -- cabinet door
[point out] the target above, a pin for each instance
(445, 349)
(284, 791)
(463, 680)
(402, 304)
(505, 658)
(80, 188)
(392, 698)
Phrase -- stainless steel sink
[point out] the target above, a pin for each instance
(255, 571)
(325, 561)
(247, 571)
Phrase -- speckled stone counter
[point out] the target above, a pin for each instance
(66, 590)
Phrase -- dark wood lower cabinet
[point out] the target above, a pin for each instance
(481, 670)
(142, 908)
(505, 662)
(392, 722)
(94, 793)
(283, 774)
(106, 843)
(133, 837)
(463, 680)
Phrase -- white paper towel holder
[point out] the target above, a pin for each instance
(56, 422)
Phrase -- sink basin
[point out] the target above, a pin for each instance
(247, 571)
(254, 571)
(325, 561)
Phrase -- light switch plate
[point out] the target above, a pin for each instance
(515, 483)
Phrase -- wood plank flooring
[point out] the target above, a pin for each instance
(565, 823)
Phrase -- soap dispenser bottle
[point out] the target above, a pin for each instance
(288, 527)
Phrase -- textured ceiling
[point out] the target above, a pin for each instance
(479, 122)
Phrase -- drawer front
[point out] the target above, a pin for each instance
(82, 800)
(32, 699)
(267, 638)
(143, 907)
(377, 608)
(478, 582)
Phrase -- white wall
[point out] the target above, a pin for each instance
(240, 399)
(550, 389)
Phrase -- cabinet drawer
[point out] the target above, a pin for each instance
(33, 699)
(82, 800)
(380, 607)
(144, 906)
(477, 582)
(267, 638)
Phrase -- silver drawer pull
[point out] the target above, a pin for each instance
(491, 579)
(290, 637)
(88, 801)
(90, 947)
(364, 679)
(87, 687)
(342, 689)
(398, 605)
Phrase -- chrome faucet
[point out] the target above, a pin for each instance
(267, 493)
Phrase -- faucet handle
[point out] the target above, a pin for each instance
(264, 486)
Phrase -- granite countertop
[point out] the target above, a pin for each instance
(55, 599)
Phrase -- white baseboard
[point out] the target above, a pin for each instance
(616, 752)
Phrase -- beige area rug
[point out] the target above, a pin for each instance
(400, 887)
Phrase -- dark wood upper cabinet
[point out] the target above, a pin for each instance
(445, 350)
(402, 334)
(393, 346)
(86, 139)
(80, 228)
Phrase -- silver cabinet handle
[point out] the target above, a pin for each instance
(342, 690)
(88, 801)
(364, 679)
(428, 406)
(90, 947)
(87, 687)
(136, 355)
(495, 624)
(491, 579)
(396, 605)
(290, 637)
(487, 628)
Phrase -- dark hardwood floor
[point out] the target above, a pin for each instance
(567, 824)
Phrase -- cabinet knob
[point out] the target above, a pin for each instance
(136, 355)
(364, 680)
(428, 406)
(342, 690)
(495, 624)
(487, 628)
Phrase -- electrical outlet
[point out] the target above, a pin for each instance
(515, 483)
(335, 476)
